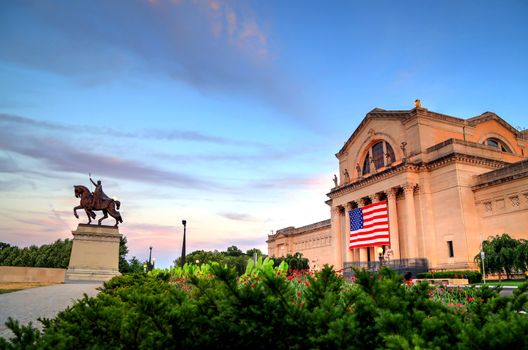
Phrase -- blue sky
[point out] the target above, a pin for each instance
(226, 114)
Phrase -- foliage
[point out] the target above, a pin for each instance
(232, 257)
(234, 251)
(472, 276)
(131, 266)
(295, 261)
(55, 255)
(503, 254)
(123, 251)
(252, 251)
(207, 306)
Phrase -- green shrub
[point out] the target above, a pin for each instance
(472, 276)
(267, 308)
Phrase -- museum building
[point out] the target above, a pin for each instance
(447, 183)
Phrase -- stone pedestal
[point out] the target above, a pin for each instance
(95, 253)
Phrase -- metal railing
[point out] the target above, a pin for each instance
(403, 266)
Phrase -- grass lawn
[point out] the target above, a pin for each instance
(505, 282)
(9, 287)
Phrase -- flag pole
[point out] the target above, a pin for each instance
(90, 176)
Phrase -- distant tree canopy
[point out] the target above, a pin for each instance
(131, 266)
(504, 254)
(56, 255)
(232, 257)
(295, 261)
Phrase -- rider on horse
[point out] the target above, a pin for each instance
(100, 199)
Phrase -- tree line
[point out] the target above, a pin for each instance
(237, 259)
(55, 255)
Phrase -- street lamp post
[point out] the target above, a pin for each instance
(184, 223)
(150, 259)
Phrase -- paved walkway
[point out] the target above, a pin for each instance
(29, 304)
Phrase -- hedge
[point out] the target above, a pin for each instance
(472, 276)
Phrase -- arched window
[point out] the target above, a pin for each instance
(496, 143)
(380, 154)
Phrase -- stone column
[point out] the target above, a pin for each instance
(336, 237)
(349, 254)
(393, 223)
(410, 218)
(362, 251)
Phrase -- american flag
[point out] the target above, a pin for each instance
(369, 226)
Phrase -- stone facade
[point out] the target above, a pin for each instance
(449, 183)
(314, 241)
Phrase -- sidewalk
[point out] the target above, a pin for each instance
(29, 304)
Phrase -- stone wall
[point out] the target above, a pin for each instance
(31, 274)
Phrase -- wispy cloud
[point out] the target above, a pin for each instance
(291, 182)
(61, 156)
(210, 45)
(150, 134)
(238, 216)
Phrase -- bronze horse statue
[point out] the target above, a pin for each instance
(87, 199)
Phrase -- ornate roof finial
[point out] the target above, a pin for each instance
(417, 103)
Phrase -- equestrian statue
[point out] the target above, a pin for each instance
(97, 200)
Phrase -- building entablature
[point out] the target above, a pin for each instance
(379, 182)
(292, 231)
(404, 173)
(508, 173)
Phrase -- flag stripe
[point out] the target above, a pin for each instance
(369, 226)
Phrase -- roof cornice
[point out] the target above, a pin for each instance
(415, 168)
(376, 113)
(486, 116)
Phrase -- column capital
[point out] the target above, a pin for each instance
(391, 193)
(409, 187)
(336, 210)
(360, 202)
(349, 206)
(375, 197)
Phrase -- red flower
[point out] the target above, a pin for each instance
(298, 294)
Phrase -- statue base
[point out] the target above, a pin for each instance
(95, 253)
